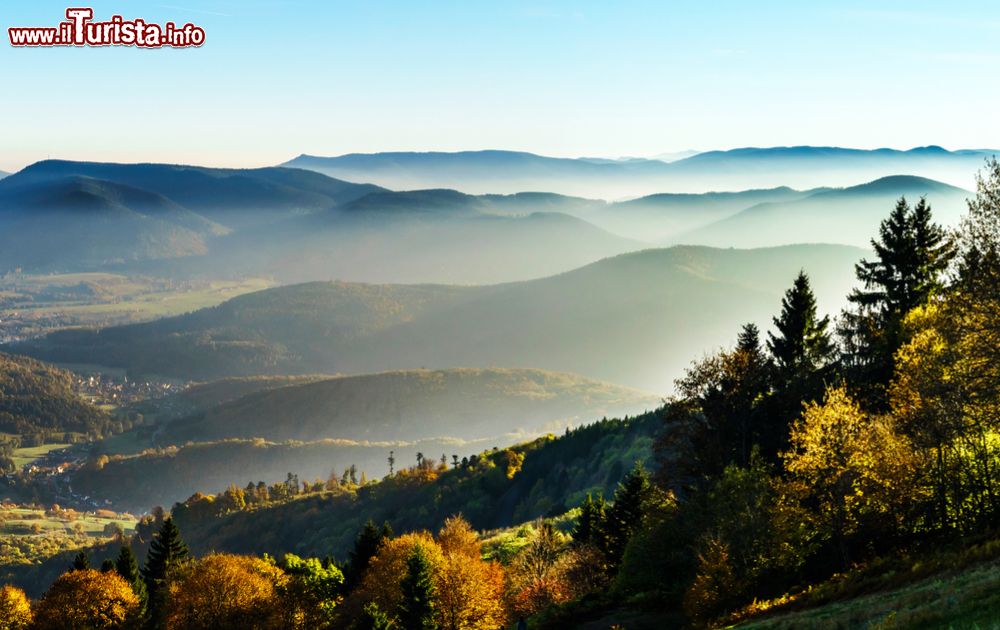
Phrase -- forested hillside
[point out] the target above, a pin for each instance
(641, 315)
(39, 399)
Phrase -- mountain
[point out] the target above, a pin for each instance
(801, 167)
(413, 405)
(3, 174)
(36, 398)
(231, 197)
(662, 216)
(75, 222)
(848, 215)
(634, 319)
(292, 224)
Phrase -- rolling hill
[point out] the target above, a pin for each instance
(634, 319)
(847, 215)
(662, 216)
(38, 398)
(468, 404)
(747, 168)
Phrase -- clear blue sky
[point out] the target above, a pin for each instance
(279, 78)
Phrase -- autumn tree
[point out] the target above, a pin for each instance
(225, 591)
(381, 583)
(15, 609)
(470, 590)
(858, 470)
(87, 599)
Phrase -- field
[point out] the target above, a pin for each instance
(28, 454)
(21, 521)
(36, 304)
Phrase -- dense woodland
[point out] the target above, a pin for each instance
(818, 449)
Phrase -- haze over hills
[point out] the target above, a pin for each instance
(634, 319)
(292, 224)
(845, 215)
(738, 169)
(413, 405)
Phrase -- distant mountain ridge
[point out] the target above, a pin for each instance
(843, 215)
(495, 171)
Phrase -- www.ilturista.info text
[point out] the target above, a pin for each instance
(79, 29)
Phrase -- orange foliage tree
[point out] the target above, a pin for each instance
(15, 610)
(226, 591)
(87, 599)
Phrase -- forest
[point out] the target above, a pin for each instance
(787, 472)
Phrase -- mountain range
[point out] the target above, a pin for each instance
(746, 168)
(634, 319)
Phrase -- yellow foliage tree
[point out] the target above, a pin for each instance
(226, 591)
(381, 584)
(470, 590)
(87, 599)
(15, 609)
(858, 469)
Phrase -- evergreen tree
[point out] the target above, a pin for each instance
(80, 562)
(625, 515)
(912, 253)
(804, 359)
(590, 524)
(127, 567)
(165, 552)
(107, 565)
(366, 545)
(802, 343)
(416, 611)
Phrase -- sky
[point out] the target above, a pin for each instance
(627, 78)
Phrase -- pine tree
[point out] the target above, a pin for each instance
(165, 552)
(416, 611)
(802, 342)
(625, 515)
(80, 562)
(590, 524)
(912, 253)
(366, 545)
(107, 565)
(127, 567)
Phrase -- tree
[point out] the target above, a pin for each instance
(858, 470)
(312, 592)
(418, 603)
(625, 516)
(226, 591)
(803, 355)
(15, 609)
(127, 567)
(366, 546)
(590, 524)
(912, 253)
(470, 590)
(166, 552)
(80, 561)
(382, 582)
(87, 599)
